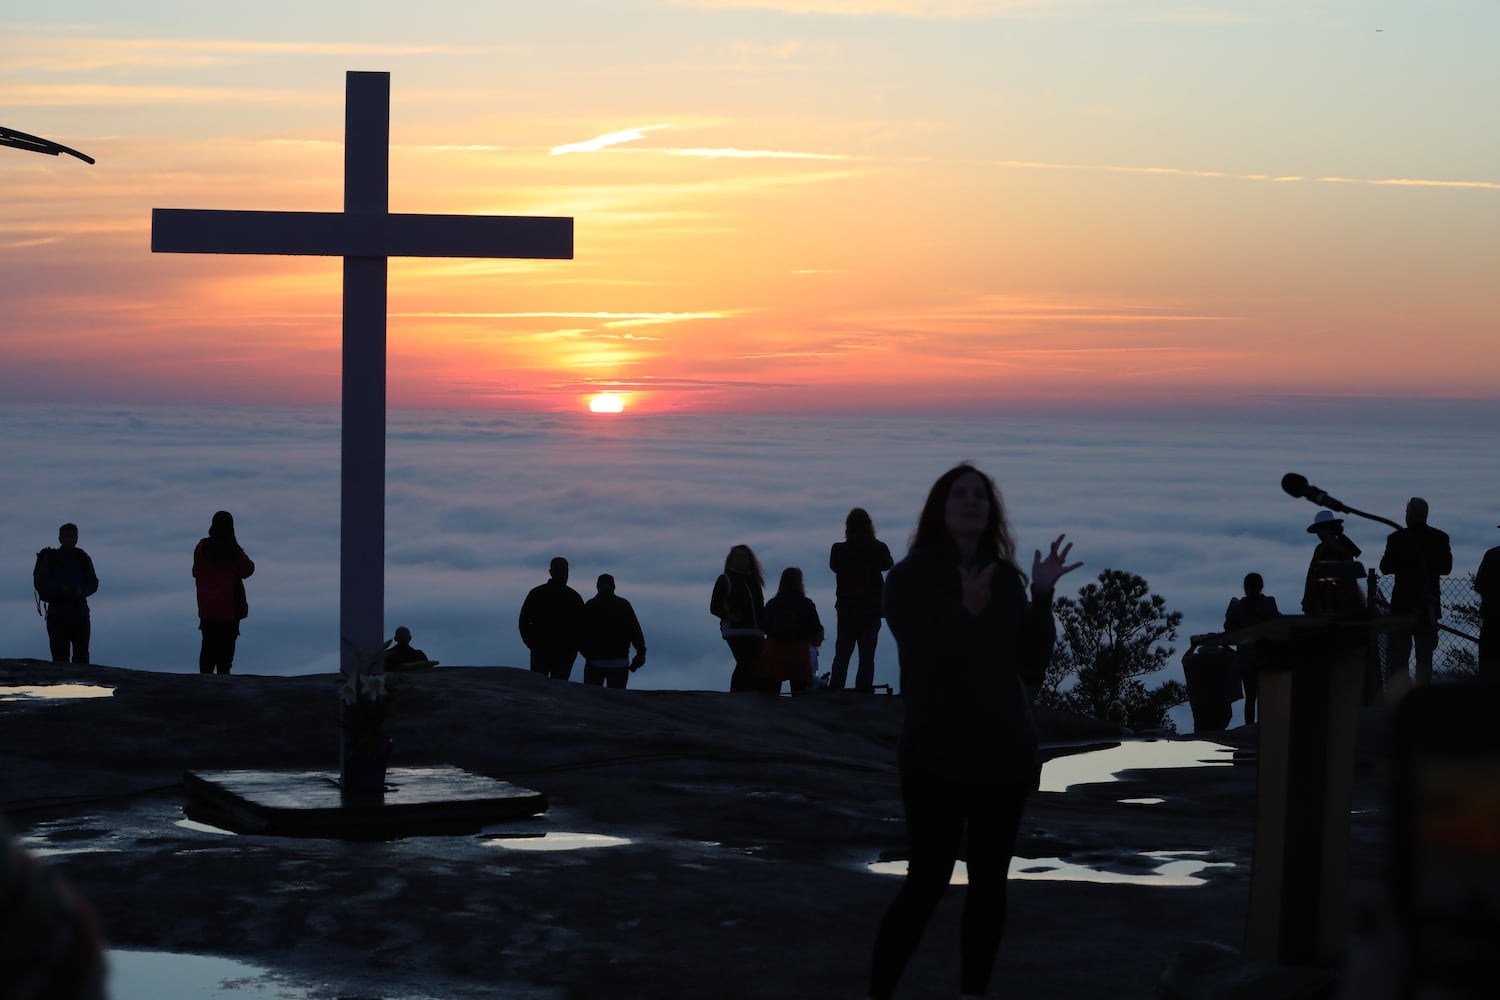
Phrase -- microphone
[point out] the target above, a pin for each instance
(1299, 487)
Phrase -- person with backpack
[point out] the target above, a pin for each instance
(220, 567)
(64, 580)
(739, 602)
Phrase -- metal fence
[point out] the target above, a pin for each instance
(1457, 653)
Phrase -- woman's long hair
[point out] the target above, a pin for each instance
(791, 584)
(995, 542)
(858, 525)
(755, 570)
(221, 546)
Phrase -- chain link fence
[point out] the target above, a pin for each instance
(1457, 653)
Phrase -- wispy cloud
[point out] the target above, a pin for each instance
(58, 53)
(607, 319)
(1227, 175)
(752, 154)
(942, 9)
(605, 141)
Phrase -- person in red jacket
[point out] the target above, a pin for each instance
(220, 567)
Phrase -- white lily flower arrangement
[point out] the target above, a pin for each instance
(367, 701)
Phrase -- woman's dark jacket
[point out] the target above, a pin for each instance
(964, 678)
(858, 564)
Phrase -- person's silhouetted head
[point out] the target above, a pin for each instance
(742, 560)
(1416, 512)
(67, 535)
(403, 635)
(221, 528)
(558, 569)
(606, 584)
(222, 547)
(964, 501)
(791, 583)
(1254, 584)
(858, 524)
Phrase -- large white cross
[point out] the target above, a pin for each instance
(365, 234)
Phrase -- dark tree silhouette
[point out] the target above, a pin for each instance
(1461, 660)
(1108, 642)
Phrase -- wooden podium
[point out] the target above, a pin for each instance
(1310, 697)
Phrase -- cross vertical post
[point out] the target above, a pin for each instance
(367, 127)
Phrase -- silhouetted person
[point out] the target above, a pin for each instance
(739, 602)
(1487, 586)
(858, 563)
(402, 655)
(792, 631)
(1418, 556)
(51, 947)
(64, 579)
(610, 629)
(971, 648)
(1333, 547)
(220, 568)
(551, 616)
(1252, 609)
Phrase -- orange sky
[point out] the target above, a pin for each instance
(779, 206)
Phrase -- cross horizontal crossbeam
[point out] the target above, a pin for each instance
(355, 234)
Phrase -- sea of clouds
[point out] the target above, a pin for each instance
(477, 503)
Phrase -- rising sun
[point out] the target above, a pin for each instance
(606, 402)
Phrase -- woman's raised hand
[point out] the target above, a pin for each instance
(1046, 572)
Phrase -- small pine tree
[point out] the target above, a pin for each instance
(1108, 642)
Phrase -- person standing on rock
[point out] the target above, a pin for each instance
(857, 563)
(971, 649)
(551, 617)
(220, 568)
(1487, 586)
(610, 630)
(739, 602)
(1418, 556)
(1252, 609)
(64, 579)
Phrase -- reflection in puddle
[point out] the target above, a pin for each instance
(555, 841)
(1172, 868)
(192, 824)
(37, 851)
(155, 975)
(1102, 765)
(53, 692)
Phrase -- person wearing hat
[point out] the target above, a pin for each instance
(1418, 556)
(1333, 546)
(1487, 586)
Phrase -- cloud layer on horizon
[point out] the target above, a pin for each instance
(478, 503)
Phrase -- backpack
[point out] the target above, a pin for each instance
(40, 572)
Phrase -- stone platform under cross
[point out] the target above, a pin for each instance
(418, 801)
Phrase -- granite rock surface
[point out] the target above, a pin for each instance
(708, 845)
